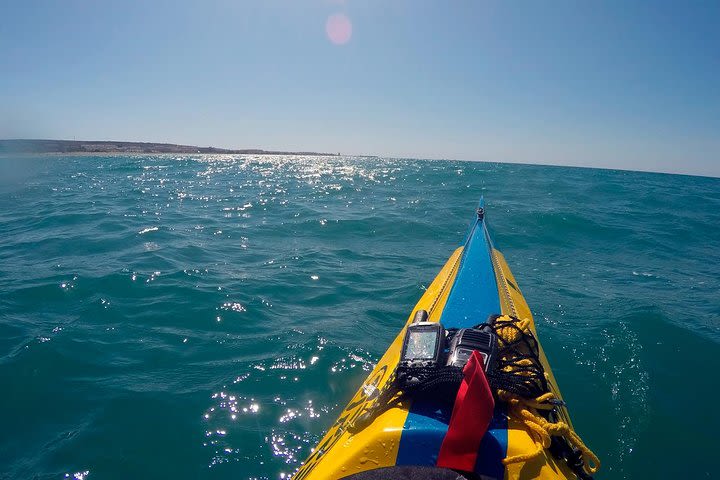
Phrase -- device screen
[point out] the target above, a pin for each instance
(421, 344)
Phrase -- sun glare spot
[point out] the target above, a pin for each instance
(338, 28)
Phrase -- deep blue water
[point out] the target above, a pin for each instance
(207, 317)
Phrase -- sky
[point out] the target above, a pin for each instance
(615, 84)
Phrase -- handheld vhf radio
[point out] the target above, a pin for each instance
(466, 340)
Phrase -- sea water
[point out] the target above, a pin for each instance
(209, 316)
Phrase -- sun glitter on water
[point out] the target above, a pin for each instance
(338, 28)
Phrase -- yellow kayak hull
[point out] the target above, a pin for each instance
(341, 453)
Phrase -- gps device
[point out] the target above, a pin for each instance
(423, 345)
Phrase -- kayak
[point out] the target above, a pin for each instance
(526, 435)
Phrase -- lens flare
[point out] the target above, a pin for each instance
(338, 28)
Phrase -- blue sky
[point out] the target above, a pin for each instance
(618, 84)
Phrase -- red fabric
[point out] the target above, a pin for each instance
(470, 418)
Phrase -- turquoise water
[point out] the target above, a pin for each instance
(207, 317)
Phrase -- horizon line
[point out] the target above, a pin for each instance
(263, 151)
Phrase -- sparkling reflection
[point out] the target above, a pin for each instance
(264, 401)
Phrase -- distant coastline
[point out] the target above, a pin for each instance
(105, 146)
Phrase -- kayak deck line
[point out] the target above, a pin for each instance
(443, 289)
(520, 309)
(506, 303)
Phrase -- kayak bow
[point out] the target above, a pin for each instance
(474, 284)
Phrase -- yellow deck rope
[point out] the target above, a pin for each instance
(526, 410)
(541, 430)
